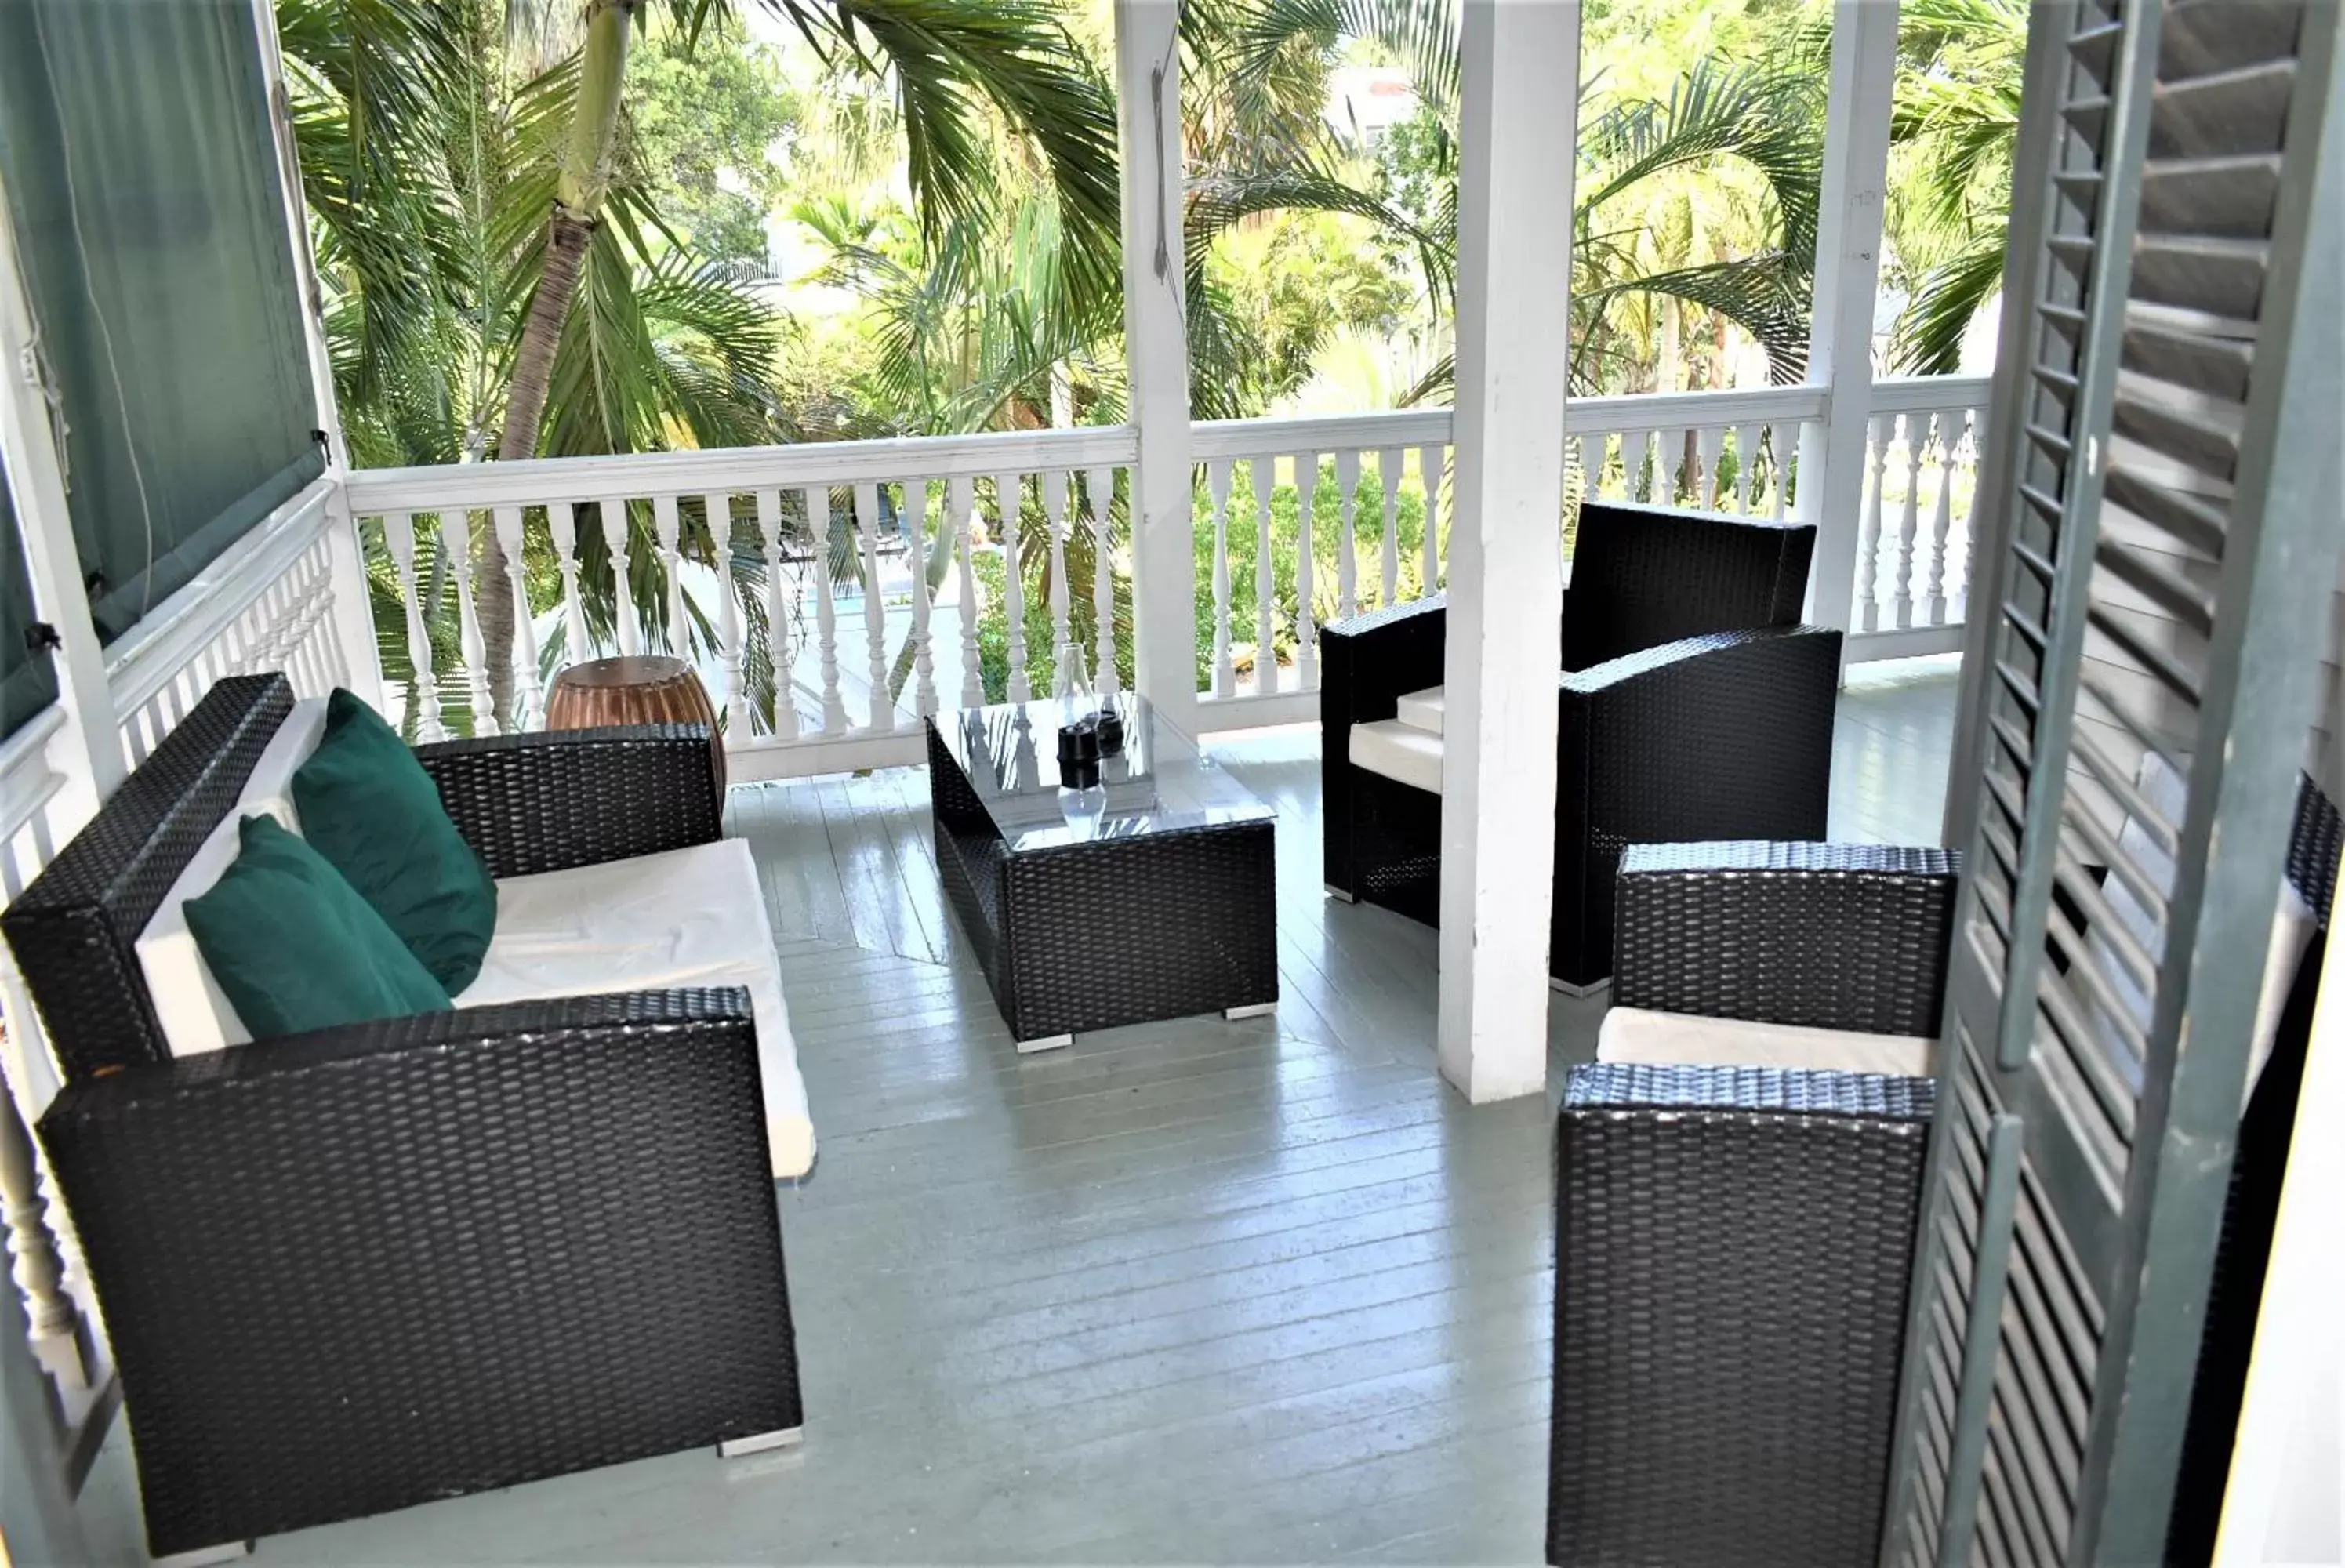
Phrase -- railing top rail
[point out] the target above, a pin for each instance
(738, 470)
(1928, 394)
(1694, 411)
(1211, 438)
(149, 656)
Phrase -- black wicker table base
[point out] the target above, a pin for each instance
(1151, 896)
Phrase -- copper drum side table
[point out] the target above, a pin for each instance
(635, 689)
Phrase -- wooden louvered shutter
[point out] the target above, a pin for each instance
(2163, 532)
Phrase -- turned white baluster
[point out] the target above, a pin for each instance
(1063, 651)
(826, 614)
(1868, 528)
(669, 532)
(1916, 437)
(1709, 443)
(777, 616)
(36, 1263)
(1008, 499)
(1098, 499)
(1636, 462)
(728, 615)
(875, 610)
(529, 693)
(1962, 448)
(458, 556)
(1264, 471)
(399, 539)
(1783, 446)
(915, 518)
(1388, 466)
(1217, 486)
(618, 540)
(1592, 454)
(1941, 458)
(960, 506)
(1347, 558)
(1306, 614)
(563, 525)
(1430, 462)
(1746, 465)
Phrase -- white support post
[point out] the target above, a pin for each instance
(353, 606)
(1156, 351)
(1847, 272)
(1518, 133)
(90, 754)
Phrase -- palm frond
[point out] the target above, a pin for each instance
(1930, 329)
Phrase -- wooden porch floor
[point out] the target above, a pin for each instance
(1199, 1291)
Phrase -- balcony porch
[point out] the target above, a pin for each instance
(1266, 1288)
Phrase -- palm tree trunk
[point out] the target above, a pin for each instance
(578, 202)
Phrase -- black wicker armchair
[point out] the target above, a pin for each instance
(1734, 1243)
(351, 1270)
(1692, 706)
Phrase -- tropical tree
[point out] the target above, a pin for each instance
(1720, 121)
(1955, 119)
(579, 224)
(426, 146)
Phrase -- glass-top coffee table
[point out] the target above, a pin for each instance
(1151, 895)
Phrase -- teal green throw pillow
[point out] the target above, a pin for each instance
(368, 807)
(294, 947)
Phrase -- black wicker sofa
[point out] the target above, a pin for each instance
(1693, 705)
(351, 1270)
(1735, 1242)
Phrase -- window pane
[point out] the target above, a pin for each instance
(135, 154)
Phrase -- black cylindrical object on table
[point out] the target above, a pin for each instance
(1079, 753)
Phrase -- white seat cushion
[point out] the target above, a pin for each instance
(1423, 710)
(1400, 751)
(195, 1015)
(1647, 1038)
(683, 917)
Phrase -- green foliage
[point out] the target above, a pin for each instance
(1244, 531)
(705, 116)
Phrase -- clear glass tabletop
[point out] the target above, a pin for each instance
(1159, 781)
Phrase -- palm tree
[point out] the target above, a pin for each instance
(386, 66)
(1761, 119)
(1956, 120)
(427, 154)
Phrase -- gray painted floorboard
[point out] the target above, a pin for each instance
(1199, 1291)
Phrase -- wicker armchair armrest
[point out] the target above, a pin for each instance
(1725, 735)
(1370, 661)
(1732, 1252)
(553, 799)
(354, 1269)
(1831, 935)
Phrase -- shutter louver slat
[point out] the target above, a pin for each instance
(2159, 238)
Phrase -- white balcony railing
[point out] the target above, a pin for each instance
(832, 594)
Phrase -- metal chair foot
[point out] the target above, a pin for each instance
(1047, 1043)
(226, 1552)
(1250, 1010)
(1593, 988)
(736, 1447)
(1339, 894)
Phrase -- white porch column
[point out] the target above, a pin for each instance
(353, 608)
(1518, 129)
(89, 751)
(1156, 349)
(1848, 273)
